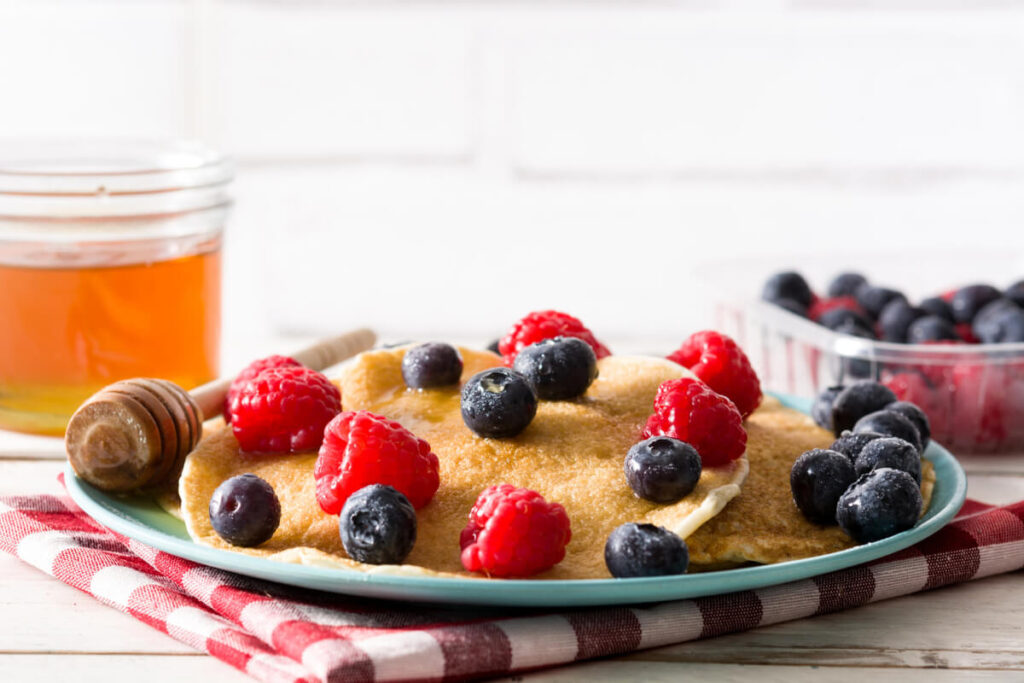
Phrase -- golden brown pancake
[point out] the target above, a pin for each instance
(763, 524)
(571, 453)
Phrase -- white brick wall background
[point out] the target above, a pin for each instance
(440, 168)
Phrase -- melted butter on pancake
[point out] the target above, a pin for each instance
(571, 453)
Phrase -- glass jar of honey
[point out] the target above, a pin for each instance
(109, 269)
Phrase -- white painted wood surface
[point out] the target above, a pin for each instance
(973, 630)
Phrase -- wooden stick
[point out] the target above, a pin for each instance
(136, 433)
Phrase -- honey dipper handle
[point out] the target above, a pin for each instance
(329, 352)
(210, 396)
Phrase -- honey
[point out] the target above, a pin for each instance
(110, 268)
(70, 331)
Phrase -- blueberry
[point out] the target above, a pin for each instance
(879, 504)
(821, 410)
(994, 309)
(493, 347)
(1015, 293)
(856, 401)
(917, 417)
(859, 369)
(662, 469)
(873, 299)
(378, 525)
(498, 403)
(856, 367)
(839, 317)
(645, 550)
(788, 285)
(895, 318)
(244, 511)
(1006, 329)
(559, 368)
(817, 480)
(431, 365)
(846, 284)
(890, 423)
(850, 444)
(967, 301)
(931, 328)
(1000, 321)
(937, 306)
(889, 452)
(791, 306)
(855, 329)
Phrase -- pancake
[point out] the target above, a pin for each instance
(170, 501)
(571, 453)
(763, 525)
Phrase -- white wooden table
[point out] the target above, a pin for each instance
(51, 632)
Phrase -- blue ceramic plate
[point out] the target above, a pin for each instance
(145, 521)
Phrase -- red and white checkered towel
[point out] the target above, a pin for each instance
(276, 633)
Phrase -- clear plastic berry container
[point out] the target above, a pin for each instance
(972, 393)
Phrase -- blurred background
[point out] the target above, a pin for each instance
(437, 169)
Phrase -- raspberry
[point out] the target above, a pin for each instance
(514, 532)
(979, 406)
(966, 333)
(722, 365)
(541, 325)
(250, 371)
(689, 410)
(1014, 404)
(914, 387)
(933, 384)
(821, 306)
(283, 410)
(360, 449)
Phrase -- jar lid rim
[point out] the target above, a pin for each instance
(107, 166)
(73, 178)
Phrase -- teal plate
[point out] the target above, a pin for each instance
(144, 521)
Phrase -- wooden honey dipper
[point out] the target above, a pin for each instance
(135, 434)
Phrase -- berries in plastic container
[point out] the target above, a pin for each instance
(972, 393)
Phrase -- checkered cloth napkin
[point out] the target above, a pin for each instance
(276, 633)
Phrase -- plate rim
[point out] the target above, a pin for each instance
(527, 592)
